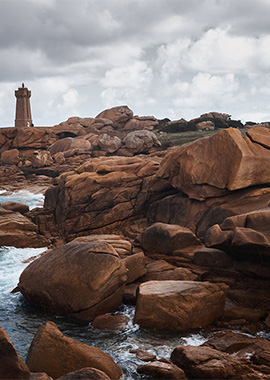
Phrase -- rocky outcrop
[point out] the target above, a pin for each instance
(226, 355)
(68, 144)
(208, 363)
(18, 231)
(167, 238)
(41, 159)
(25, 138)
(11, 365)
(211, 257)
(33, 138)
(80, 280)
(10, 157)
(139, 123)
(122, 246)
(215, 165)
(15, 207)
(103, 194)
(141, 141)
(179, 305)
(161, 270)
(118, 115)
(54, 353)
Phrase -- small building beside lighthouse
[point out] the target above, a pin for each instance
(23, 116)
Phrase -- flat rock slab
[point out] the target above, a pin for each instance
(179, 305)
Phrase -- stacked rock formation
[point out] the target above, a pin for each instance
(183, 234)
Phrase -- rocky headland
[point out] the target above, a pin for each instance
(182, 233)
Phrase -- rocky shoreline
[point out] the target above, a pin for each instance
(181, 233)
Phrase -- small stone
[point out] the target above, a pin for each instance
(143, 355)
(161, 370)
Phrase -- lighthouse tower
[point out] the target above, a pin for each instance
(23, 116)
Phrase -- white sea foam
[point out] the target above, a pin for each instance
(12, 264)
(194, 340)
(23, 196)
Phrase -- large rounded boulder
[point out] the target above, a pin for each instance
(79, 280)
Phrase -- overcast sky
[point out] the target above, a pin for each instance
(166, 58)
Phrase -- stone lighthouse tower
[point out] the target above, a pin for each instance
(23, 116)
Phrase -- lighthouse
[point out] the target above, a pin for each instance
(23, 116)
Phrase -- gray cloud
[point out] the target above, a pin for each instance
(175, 58)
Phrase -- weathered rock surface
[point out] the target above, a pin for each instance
(141, 141)
(10, 157)
(260, 136)
(122, 246)
(211, 257)
(102, 193)
(41, 159)
(179, 305)
(15, 207)
(11, 365)
(80, 280)
(161, 370)
(69, 143)
(109, 143)
(136, 266)
(206, 172)
(118, 115)
(18, 231)
(161, 270)
(208, 363)
(34, 138)
(238, 344)
(239, 243)
(86, 374)
(54, 353)
(237, 313)
(166, 238)
(139, 123)
(111, 322)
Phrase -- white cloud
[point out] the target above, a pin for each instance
(134, 76)
(206, 90)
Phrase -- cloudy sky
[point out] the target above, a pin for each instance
(166, 58)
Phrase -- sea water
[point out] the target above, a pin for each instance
(21, 321)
